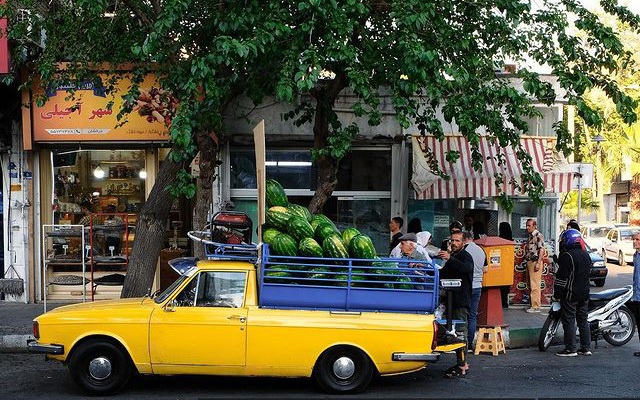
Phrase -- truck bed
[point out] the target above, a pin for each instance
(338, 284)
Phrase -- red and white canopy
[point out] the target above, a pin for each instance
(465, 182)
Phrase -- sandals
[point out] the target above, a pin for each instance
(455, 372)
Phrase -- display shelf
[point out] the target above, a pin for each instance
(111, 244)
(63, 249)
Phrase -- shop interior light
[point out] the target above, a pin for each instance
(98, 172)
(142, 174)
(288, 163)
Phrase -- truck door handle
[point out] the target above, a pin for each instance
(238, 317)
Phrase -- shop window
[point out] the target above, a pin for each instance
(292, 168)
(360, 170)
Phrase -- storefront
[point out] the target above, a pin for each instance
(362, 198)
(471, 195)
(94, 173)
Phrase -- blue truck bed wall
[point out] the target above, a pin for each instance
(345, 284)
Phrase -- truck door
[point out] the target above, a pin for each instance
(205, 324)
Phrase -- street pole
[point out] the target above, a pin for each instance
(579, 175)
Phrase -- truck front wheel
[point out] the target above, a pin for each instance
(343, 370)
(100, 367)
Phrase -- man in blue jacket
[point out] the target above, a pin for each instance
(571, 287)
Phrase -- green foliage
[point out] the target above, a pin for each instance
(415, 59)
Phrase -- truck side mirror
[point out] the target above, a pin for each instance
(170, 306)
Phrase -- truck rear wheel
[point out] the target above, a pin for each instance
(343, 370)
(100, 367)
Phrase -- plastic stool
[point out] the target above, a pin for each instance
(490, 340)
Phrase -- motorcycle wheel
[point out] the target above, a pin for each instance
(548, 332)
(623, 330)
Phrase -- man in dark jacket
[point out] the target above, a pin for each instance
(572, 289)
(459, 265)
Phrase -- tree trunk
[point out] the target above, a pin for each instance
(150, 233)
(326, 166)
(204, 194)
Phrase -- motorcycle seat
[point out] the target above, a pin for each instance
(608, 294)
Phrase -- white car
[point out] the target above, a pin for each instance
(595, 234)
(618, 244)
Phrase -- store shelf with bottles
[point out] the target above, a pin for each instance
(64, 273)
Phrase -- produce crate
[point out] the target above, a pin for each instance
(347, 284)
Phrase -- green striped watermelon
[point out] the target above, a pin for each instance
(302, 211)
(333, 247)
(269, 234)
(308, 247)
(324, 230)
(321, 218)
(318, 273)
(348, 234)
(361, 246)
(277, 217)
(274, 194)
(276, 271)
(285, 245)
(299, 227)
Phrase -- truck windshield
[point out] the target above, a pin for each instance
(165, 293)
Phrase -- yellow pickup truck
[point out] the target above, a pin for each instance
(230, 316)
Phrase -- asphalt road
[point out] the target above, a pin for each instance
(521, 373)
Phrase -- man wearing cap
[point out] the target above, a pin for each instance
(408, 247)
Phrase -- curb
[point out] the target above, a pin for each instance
(14, 343)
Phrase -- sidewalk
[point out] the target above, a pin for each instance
(16, 325)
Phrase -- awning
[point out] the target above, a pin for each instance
(467, 183)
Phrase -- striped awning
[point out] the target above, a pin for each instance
(465, 182)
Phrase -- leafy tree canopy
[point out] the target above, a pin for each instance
(431, 56)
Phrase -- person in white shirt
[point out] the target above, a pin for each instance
(479, 264)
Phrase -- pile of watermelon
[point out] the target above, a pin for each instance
(291, 230)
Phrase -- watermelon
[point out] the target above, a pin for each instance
(348, 234)
(299, 227)
(276, 271)
(308, 247)
(302, 211)
(269, 234)
(321, 218)
(318, 273)
(274, 194)
(285, 245)
(405, 283)
(361, 246)
(333, 247)
(277, 217)
(324, 230)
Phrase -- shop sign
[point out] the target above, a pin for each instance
(440, 221)
(91, 115)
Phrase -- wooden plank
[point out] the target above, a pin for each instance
(259, 140)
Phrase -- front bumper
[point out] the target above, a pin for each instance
(431, 357)
(34, 347)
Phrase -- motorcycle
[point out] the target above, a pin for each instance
(608, 318)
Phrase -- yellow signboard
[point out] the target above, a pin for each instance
(90, 117)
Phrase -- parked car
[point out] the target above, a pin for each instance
(599, 270)
(595, 234)
(618, 244)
